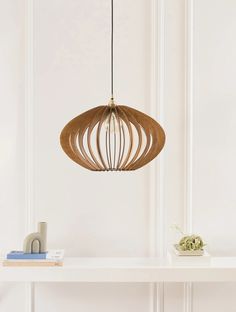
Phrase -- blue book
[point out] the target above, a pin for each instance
(15, 254)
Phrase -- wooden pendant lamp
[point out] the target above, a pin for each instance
(112, 137)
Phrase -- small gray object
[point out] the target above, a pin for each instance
(36, 242)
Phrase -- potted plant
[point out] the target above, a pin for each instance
(189, 245)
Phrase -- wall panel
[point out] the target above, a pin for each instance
(12, 147)
(89, 214)
(214, 128)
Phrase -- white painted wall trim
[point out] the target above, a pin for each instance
(189, 114)
(189, 66)
(157, 211)
(29, 81)
(29, 97)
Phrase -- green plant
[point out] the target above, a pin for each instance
(188, 242)
(191, 243)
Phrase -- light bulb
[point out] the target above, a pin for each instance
(112, 124)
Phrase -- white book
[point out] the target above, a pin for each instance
(55, 254)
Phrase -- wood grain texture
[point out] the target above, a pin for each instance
(112, 138)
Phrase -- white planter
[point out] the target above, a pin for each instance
(188, 258)
(180, 252)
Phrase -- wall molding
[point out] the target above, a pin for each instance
(157, 245)
(189, 81)
(157, 212)
(189, 114)
(29, 99)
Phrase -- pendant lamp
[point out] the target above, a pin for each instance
(112, 137)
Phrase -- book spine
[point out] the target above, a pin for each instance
(26, 256)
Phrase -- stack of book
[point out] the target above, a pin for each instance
(19, 258)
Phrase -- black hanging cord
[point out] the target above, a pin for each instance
(112, 44)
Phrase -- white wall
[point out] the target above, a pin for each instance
(174, 59)
(213, 136)
(12, 140)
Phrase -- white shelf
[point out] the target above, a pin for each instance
(123, 270)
